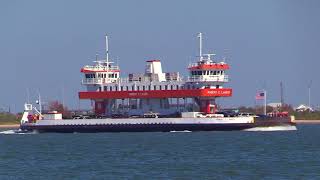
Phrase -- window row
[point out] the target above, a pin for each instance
(200, 73)
(142, 88)
(102, 75)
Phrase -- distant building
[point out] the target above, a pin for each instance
(275, 105)
(303, 108)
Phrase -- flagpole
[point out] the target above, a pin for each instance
(265, 102)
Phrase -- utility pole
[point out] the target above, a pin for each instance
(309, 93)
(281, 94)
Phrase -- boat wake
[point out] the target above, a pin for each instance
(273, 128)
(15, 131)
(185, 131)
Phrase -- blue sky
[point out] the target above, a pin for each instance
(43, 44)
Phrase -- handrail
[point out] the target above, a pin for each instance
(104, 68)
(215, 78)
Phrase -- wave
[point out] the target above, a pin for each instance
(185, 131)
(273, 128)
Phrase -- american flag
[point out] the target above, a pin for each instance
(260, 95)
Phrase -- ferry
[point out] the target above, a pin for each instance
(152, 101)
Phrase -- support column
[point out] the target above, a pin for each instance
(205, 106)
(99, 107)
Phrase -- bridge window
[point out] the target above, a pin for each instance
(154, 87)
(105, 88)
(110, 88)
(177, 87)
(166, 87)
(214, 72)
(149, 87)
(138, 88)
(121, 88)
(133, 88)
(143, 88)
(199, 73)
(116, 75)
(116, 87)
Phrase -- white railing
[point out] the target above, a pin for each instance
(97, 81)
(214, 78)
(101, 68)
(92, 81)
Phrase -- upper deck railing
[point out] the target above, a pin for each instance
(92, 81)
(101, 68)
(211, 78)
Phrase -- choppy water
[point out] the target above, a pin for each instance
(175, 155)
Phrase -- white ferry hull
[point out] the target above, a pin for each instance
(149, 125)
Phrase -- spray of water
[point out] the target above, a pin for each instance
(273, 128)
(15, 131)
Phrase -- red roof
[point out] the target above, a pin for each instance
(154, 60)
(210, 66)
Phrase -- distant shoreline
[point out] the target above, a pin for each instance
(5, 126)
(307, 121)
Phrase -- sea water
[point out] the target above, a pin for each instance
(171, 155)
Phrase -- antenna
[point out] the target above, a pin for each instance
(97, 55)
(39, 102)
(107, 48)
(28, 96)
(200, 45)
(225, 53)
(62, 94)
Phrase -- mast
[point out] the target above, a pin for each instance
(281, 94)
(200, 45)
(107, 49)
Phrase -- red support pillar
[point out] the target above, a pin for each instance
(100, 108)
(208, 107)
(205, 106)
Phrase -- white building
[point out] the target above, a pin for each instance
(302, 108)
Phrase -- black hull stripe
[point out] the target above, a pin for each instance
(147, 127)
